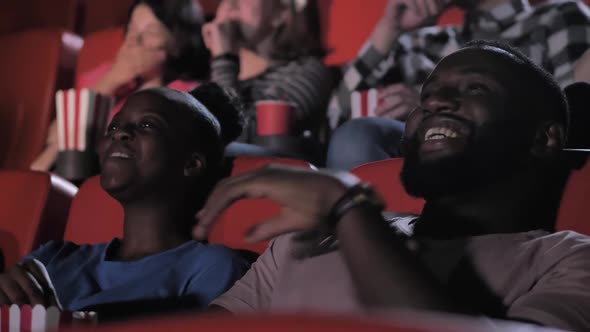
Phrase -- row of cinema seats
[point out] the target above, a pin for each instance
(42, 56)
(35, 207)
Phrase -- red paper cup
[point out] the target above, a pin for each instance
(274, 117)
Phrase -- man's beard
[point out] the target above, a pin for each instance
(488, 157)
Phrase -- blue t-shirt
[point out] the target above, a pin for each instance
(82, 277)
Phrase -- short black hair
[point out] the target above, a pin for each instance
(208, 129)
(184, 19)
(539, 82)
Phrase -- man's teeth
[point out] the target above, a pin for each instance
(120, 155)
(440, 133)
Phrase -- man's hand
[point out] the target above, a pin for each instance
(135, 61)
(16, 287)
(402, 16)
(132, 62)
(306, 197)
(397, 101)
(221, 36)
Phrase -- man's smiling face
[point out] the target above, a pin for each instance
(469, 118)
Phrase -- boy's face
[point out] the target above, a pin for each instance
(143, 149)
(468, 124)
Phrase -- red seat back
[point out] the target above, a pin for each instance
(31, 210)
(27, 88)
(231, 226)
(95, 217)
(574, 211)
(103, 14)
(384, 177)
(38, 14)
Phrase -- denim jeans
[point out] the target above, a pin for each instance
(236, 149)
(364, 140)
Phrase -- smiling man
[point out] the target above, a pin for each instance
(483, 149)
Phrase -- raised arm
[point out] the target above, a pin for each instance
(375, 59)
(384, 271)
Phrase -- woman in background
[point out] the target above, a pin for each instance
(162, 47)
(286, 34)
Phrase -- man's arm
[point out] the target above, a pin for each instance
(374, 60)
(384, 271)
(252, 293)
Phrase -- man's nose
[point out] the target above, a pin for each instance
(123, 134)
(444, 100)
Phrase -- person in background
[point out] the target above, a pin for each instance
(286, 34)
(405, 46)
(160, 158)
(162, 47)
(483, 149)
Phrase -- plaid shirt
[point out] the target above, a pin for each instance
(554, 35)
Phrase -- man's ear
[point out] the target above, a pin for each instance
(195, 165)
(550, 139)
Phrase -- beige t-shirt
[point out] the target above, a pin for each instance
(536, 276)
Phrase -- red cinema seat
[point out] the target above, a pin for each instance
(98, 15)
(231, 226)
(574, 211)
(31, 205)
(34, 64)
(384, 177)
(95, 217)
(38, 14)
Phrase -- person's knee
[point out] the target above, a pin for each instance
(368, 131)
(363, 140)
(357, 131)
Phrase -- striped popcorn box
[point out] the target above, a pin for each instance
(364, 103)
(25, 318)
(82, 117)
(32, 319)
